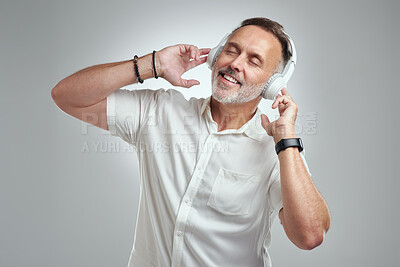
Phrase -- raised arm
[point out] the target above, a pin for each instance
(305, 215)
(83, 94)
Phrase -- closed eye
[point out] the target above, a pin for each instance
(254, 62)
(230, 51)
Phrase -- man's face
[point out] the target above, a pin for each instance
(250, 56)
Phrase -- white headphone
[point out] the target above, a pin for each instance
(276, 82)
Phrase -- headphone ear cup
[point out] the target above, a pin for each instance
(213, 55)
(275, 84)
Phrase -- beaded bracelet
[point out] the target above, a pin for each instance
(135, 60)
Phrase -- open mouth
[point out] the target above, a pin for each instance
(229, 78)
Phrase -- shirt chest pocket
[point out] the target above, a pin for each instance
(233, 193)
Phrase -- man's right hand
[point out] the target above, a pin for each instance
(173, 61)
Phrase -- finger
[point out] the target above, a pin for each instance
(281, 100)
(276, 101)
(200, 52)
(188, 50)
(185, 49)
(188, 83)
(204, 51)
(285, 92)
(195, 63)
(264, 120)
(194, 52)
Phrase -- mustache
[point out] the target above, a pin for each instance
(231, 72)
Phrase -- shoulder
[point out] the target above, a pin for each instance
(174, 100)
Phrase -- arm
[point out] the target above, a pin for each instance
(84, 93)
(305, 215)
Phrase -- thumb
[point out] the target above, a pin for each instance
(188, 83)
(265, 123)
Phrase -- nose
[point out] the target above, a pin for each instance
(237, 64)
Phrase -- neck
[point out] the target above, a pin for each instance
(233, 116)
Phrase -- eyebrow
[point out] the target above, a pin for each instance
(252, 54)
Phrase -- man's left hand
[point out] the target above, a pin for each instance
(283, 127)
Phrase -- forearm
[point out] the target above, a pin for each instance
(305, 213)
(91, 85)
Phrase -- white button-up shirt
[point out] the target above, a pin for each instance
(207, 198)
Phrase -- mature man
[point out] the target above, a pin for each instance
(211, 180)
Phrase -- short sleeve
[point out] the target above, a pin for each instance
(275, 193)
(127, 111)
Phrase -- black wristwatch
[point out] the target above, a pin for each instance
(290, 142)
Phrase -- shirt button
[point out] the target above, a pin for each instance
(187, 201)
(179, 233)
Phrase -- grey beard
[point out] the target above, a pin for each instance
(245, 93)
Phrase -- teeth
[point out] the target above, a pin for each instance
(231, 79)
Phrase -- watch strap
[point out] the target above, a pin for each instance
(290, 142)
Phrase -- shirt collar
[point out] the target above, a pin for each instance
(205, 104)
(252, 128)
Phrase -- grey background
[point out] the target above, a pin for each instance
(64, 203)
